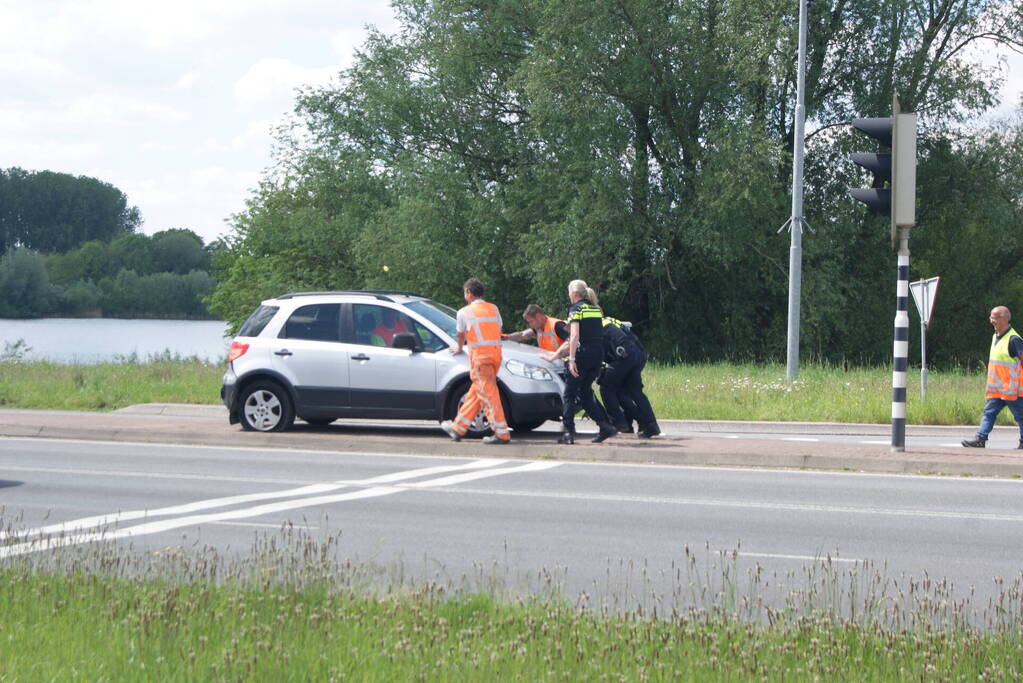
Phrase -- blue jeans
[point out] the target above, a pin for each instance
(991, 410)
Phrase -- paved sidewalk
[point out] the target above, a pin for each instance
(207, 426)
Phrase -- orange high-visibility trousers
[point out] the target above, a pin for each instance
(483, 394)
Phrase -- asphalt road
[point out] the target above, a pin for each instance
(618, 533)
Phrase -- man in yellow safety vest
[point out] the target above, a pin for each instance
(1004, 389)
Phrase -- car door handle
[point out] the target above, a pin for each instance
(282, 352)
(361, 356)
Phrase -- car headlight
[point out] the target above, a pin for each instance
(517, 367)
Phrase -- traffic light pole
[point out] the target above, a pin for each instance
(900, 353)
(898, 202)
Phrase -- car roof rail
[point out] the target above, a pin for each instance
(381, 294)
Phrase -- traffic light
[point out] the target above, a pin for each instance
(897, 169)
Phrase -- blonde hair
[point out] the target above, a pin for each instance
(583, 290)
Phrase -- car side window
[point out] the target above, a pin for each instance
(317, 322)
(431, 342)
(377, 325)
(255, 323)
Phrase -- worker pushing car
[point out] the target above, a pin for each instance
(549, 332)
(478, 326)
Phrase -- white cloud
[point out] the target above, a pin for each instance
(274, 80)
(201, 199)
(173, 103)
(187, 80)
(110, 109)
(345, 44)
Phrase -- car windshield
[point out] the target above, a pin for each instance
(440, 315)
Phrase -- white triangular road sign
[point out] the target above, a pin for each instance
(925, 292)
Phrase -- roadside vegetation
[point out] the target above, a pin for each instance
(291, 611)
(713, 391)
(109, 386)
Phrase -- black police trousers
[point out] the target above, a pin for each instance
(621, 389)
(580, 390)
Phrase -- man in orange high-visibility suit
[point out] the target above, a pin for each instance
(479, 327)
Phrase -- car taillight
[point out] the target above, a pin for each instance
(236, 351)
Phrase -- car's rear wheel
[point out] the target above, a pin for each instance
(480, 426)
(265, 407)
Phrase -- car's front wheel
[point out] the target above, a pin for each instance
(265, 407)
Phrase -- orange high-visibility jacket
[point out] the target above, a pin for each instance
(1003, 371)
(483, 331)
(547, 339)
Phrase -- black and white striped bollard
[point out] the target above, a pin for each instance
(901, 347)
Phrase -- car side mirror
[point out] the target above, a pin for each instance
(408, 341)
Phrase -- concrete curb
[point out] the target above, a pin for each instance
(696, 426)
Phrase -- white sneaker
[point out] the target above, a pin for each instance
(449, 427)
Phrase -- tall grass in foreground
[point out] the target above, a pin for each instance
(290, 611)
(680, 392)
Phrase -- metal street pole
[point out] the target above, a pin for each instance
(796, 221)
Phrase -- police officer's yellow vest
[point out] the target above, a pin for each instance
(1003, 371)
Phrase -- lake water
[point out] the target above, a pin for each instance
(97, 340)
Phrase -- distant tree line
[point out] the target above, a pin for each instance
(68, 246)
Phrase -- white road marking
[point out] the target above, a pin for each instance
(114, 518)
(803, 558)
(63, 541)
(303, 527)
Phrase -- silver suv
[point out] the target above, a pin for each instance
(320, 356)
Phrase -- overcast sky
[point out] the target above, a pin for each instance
(173, 102)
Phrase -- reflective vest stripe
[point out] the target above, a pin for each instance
(587, 311)
(1003, 371)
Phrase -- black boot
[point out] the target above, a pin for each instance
(1020, 446)
(607, 430)
(625, 428)
(567, 437)
(976, 443)
(649, 430)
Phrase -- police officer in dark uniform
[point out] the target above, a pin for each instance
(621, 386)
(584, 360)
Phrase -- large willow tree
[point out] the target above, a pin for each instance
(644, 146)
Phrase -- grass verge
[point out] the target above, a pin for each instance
(106, 616)
(679, 392)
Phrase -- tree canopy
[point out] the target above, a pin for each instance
(55, 212)
(646, 148)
